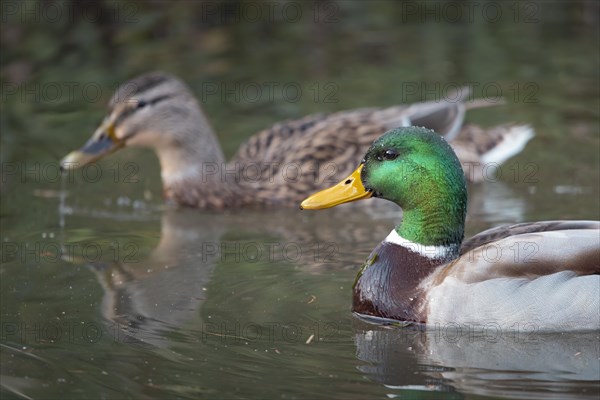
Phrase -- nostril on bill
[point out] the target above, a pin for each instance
(349, 181)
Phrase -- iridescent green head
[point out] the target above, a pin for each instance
(416, 169)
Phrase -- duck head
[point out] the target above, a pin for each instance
(416, 169)
(154, 110)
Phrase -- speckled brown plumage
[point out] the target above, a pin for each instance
(278, 166)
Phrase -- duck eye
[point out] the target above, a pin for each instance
(390, 155)
(141, 104)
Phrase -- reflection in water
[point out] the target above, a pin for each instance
(166, 288)
(492, 363)
(496, 204)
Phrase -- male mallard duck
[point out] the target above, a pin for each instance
(280, 165)
(541, 275)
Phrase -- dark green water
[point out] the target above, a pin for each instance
(106, 293)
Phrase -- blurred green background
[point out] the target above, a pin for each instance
(61, 60)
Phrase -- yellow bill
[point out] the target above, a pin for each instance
(349, 189)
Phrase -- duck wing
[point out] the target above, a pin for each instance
(292, 159)
(530, 250)
(445, 117)
(505, 231)
(542, 275)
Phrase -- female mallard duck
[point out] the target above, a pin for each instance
(541, 275)
(280, 165)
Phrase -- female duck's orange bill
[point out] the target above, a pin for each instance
(350, 189)
(103, 142)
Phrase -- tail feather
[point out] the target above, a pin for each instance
(513, 141)
(482, 150)
(445, 116)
